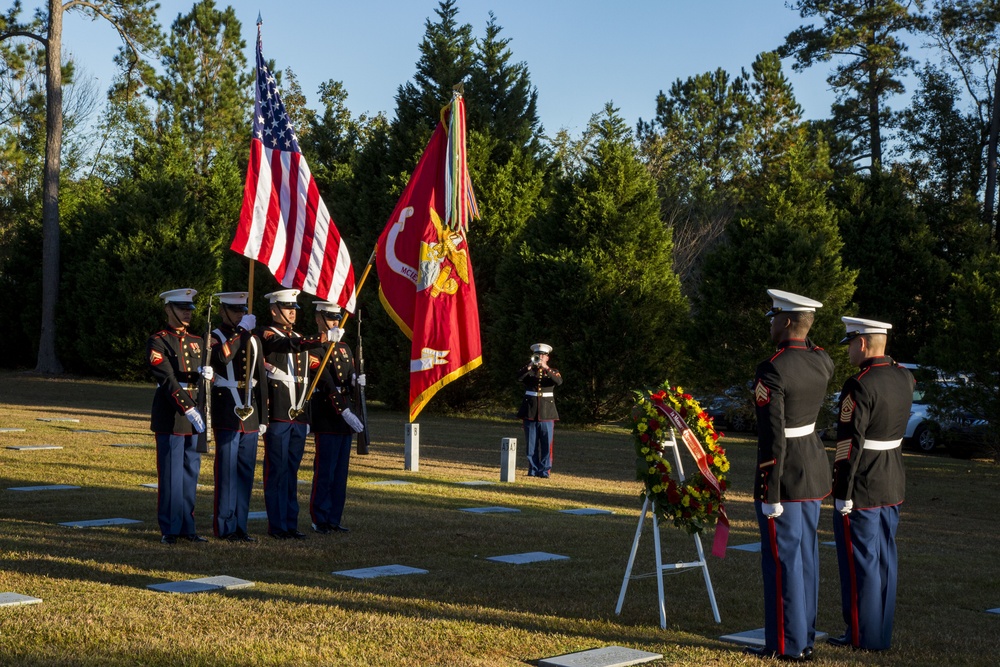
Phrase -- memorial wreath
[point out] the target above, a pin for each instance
(698, 501)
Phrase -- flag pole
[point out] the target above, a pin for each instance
(329, 352)
(246, 376)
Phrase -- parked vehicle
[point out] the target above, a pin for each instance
(733, 410)
(931, 424)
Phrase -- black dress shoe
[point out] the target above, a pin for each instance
(842, 640)
(195, 537)
(168, 539)
(297, 534)
(340, 529)
(321, 528)
(248, 538)
(807, 653)
(279, 535)
(762, 652)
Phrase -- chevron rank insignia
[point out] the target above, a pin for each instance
(155, 358)
(847, 409)
(762, 394)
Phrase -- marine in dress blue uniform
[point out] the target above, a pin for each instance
(174, 356)
(538, 409)
(239, 413)
(286, 360)
(869, 484)
(334, 424)
(792, 478)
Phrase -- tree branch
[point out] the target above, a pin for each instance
(23, 33)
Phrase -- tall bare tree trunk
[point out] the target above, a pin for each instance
(874, 122)
(48, 361)
(989, 195)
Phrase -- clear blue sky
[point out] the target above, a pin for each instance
(580, 53)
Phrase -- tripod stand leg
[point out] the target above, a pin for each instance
(631, 556)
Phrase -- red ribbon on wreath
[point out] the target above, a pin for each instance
(701, 459)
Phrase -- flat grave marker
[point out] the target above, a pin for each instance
(477, 482)
(608, 656)
(16, 600)
(529, 557)
(490, 510)
(390, 482)
(156, 485)
(129, 444)
(47, 487)
(253, 516)
(993, 611)
(13, 430)
(380, 571)
(89, 430)
(755, 638)
(586, 511)
(753, 547)
(71, 420)
(32, 448)
(202, 585)
(94, 523)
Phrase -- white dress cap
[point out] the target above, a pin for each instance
(327, 307)
(785, 302)
(283, 296)
(232, 298)
(184, 295)
(857, 326)
(541, 348)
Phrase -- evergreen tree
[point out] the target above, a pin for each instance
(592, 278)
(134, 20)
(204, 89)
(863, 35)
(888, 242)
(785, 237)
(696, 149)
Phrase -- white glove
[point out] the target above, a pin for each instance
(772, 511)
(843, 506)
(334, 335)
(248, 322)
(194, 417)
(308, 429)
(262, 429)
(207, 372)
(360, 380)
(352, 420)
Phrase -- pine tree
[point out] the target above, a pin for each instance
(785, 237)
(134, 20)
(864, 37)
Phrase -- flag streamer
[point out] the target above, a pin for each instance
(425, 273)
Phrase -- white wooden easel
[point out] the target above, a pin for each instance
(670, 568)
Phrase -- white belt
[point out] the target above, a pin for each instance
(543, 394)
(187, 386)
(883, 444)
(231, 384)
(282, 376)
(800, 431)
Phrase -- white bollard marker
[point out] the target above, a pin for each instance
(508, 459)
(411, 448)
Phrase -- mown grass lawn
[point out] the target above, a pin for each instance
(466, 610)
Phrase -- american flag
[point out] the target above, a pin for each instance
(284, 222)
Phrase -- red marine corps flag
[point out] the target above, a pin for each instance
(424, 268)
(284, 222)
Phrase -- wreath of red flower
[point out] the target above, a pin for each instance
(693, 504)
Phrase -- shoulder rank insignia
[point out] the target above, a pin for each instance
(761, 394)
